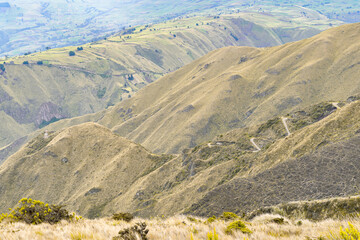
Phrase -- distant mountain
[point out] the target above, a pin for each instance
(32, 25)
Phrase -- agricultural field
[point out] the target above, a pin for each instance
(27, 27)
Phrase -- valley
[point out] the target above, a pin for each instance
(27, 26)
(217, 120)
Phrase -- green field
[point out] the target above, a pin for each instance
(27, 26)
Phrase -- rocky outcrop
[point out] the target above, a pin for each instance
(47, 112)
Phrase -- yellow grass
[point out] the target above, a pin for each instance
(179, 228)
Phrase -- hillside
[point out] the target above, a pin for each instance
(96, 173)
(82, 166)
(317, 161)
(41, 88)
(237, 87)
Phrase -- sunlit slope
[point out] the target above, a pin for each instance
(97, 173)
(82, 166)
(238, 86)
(52, 85)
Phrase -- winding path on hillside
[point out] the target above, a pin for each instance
(285, 125)
(255, 145)
(336, 104)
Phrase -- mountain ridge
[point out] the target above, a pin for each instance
(114, 174)
(103, 73)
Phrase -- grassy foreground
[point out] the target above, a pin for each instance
(182, 228)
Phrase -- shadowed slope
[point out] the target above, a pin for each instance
(315, 162)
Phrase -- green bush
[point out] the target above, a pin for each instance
(2, 67)
(26, 62)
(36, 212)
(211, 219)
(228, 216)
(237, 225)
(350, 233)
(71, 53)
(40, 63)
(127, 217)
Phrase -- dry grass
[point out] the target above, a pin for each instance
(178, 228)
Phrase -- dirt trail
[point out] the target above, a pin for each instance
(336, 104)
(285, 125)
(255, 145)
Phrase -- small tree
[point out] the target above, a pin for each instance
(2, 67)
(71, 53)
(26, 62)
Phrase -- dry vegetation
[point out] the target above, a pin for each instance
(182, 228)
(106, 72)
(96, 173)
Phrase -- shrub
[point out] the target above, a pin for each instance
(40, 63)
(133, 233)
(101, 92)
(192, 219)
(278, 220)
(71, 53)
(80, 48)
(2, 67)
(212, 235)
(36, 212)
(26, 62)
(127, 217)
(237, 225)
(211, 219)
(228, 216)
(350, 233)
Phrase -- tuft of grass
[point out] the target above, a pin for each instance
(212, 235)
